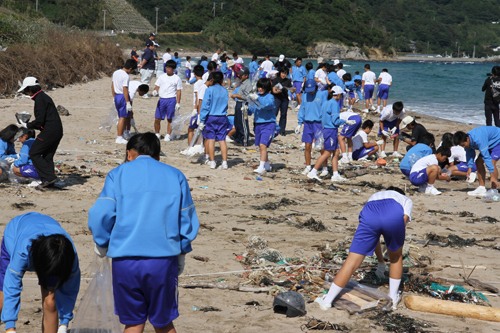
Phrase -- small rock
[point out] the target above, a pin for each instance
(62, 110)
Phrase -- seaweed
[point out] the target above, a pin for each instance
(396, 322)
(209, 309)
(312, 224)
(276, 205)
(23, 205)
(451, 240)
(484, 219)
(318, 324)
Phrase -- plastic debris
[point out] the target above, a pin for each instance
(5, 167)
(290, 303)
(178, 123)
(111, 119)
(209, 309)
(491, 196)
(319, 140)
(23, 116)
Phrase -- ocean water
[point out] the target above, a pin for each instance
(448, 90)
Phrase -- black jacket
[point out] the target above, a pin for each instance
(47, 119)
(488, 96)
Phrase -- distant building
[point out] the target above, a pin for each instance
(421, 55)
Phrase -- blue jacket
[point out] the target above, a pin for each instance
(350, 85)
(482, 138)
(214, 103)
(24, 154)
(253, 67)
(7, 149)
(17, 237)
(144, 210)
(310, 109)
(298, 73)
(265, 113)
(357, 77)
(223, 67)
(331, 114)
(311, 74)
(334, 78)
(177, 61)
(204, 63)
(414, 154)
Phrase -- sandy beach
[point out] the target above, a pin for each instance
(226, 203)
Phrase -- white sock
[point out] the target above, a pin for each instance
(262, 164)
(207, 156)
(224, 162)
(335, 173)
(314, 171)
(393, 288)
(332, 293)
(325, 168)
(344, 155)
(430, 185)
(350, 155)
(119, 137)
(481, 187)
(383, 151)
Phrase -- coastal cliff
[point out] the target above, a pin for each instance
(334, 51)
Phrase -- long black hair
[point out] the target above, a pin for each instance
(53, 258)
(145, 144)
(9, 132)
(265, 84)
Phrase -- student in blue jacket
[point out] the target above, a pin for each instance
(7, 138)
(486, 139)
(262, 105)
(417, 152)
(36, 242)
(253, 67)
(331, 122)
(299, 74)
(213, 118)
(177, 62)
(23, 166)
(145, 220)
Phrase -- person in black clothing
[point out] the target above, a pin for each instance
(282, 62)
(48, 122)
(418, 132)
(491, 107)
(134, 54)
(281, 96)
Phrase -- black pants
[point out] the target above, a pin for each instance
(42, 155)
(241, 125)
(492, 110)
(281, 106)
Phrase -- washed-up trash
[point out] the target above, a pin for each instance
(209, 309)
(312, 224)
(491, 196)
(23, 205)
(193, 151)
(23, 117)
(320, 325)
(13, 178)
(276, 205)
(320, 140)
(258, 178)
(358, 298)
(62, 110)
(484, 219)
(452, 240)
(178, 123)
(111, 119)
(290, 303)
(204, 259)
(5, 167)
(396, 322)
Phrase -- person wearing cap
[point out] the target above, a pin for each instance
(299, 74)
(150, 40)
(418, 132)
(367, 87)
(331, 122)
(309, 116)
(320, 62)
(23, 166)
(390, 119)
(48, 122)
(147, 66)
(267, 66)
(241, 113)
(281, 86)
(282, 62)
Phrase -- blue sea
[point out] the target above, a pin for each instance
(448, 90)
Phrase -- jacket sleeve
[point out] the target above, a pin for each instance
(266, 101)
(470, 154)
(40, 115)
(483, 149)
(205, 105)
(188, 219)
(301, 114)
(23, 156)
(102, 215)
(67, 294)
(336, 119)
(486, 84)
(12, 287)
(6, 151)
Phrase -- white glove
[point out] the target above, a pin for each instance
(9, 160)
(181, 258)
(129, 107)
(62, 329)
(362, 91)
(198, 119)
(347, 90)
(385, 133)
(297, 129)
(22, 124)
(155, 93)
(201, 126)
(101, 251)
(253, 97)
(323, 81)
(194, 113)
(177, 107)
(393, 130)
(380, 142)
(350, 122)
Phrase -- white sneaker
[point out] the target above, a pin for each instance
(383, 154)
(213, 164)
(259, 170)
(306, 170)
(223, 167)
(324, 173)
(373, 108)
(121, 140)
(146, 96)
(228, 139)
(396, 154)
(311, 175)
(432, 190)
(322, 304)
(396, 302)
(344, 160)
(364, 158)
(472, 177)
(158, 135)
(422, 188)
(207, 161)
(167, 138)
(34, 183)
(365, 110)
(478, 192)
(338, 178)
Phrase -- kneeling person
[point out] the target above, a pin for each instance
(361, 148)
(426, 170)
(23, 167)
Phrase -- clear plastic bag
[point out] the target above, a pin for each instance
(112, 118)
(13, 178)
(96, 312)
(319, 140)
(491, 196)
(5, 167)
(178, 123)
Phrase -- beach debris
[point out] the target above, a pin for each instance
(320, 325)
(238, 229)
(23, 116)
(212, 285)
(484, 219)
(372, 185)
(332, 188)
(209, 309)
(254, 303)
(205, 226)
(311, 224)
(352, 174)
(62, 110)
(451, 240)
(381, 162)
(478, 285)
(268, 282)
(358, 298)
(204, 259)
(396, 322)
(426, 304)
(258, 252)
(290, 303)
(275, 205)
(491, 196)
(23, 205)
(465, 214)
(437, 212)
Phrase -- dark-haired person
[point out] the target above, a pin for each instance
(340, 71)
(491, 107)
(23, 166)
(146, 225)
(390, 118)
(385, 214)
(486, 139)
(281, 97)
(7, 149)
(169, 88)
(458, 160)
(237, 59)
(350, 88)
(426, 170)
(213, 119)
(166, 57)
(264, 121)
(215, 56)
(367, 86)
(240, 118)
(211, 67)
(177, 62)
(204, 62)
(267, 66)
(425, 148)
(48, 122)
(362, 149)
(385, 81)
(347, 132)
(253, 67)
(299, 74)
(121, 98)
(310, 71)
(147, 66)
(151, 39)
(36, 242)
(418, 132)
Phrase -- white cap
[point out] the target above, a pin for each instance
(320, 60)
(336, 61)
(406, 121)
(29, 82)
(336, 90)
(282, 57)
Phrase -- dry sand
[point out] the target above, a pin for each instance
(225, 200)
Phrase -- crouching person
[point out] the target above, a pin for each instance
(23, 166)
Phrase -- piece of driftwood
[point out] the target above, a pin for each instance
(478, 285)
(450, 308)
(237, 287)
